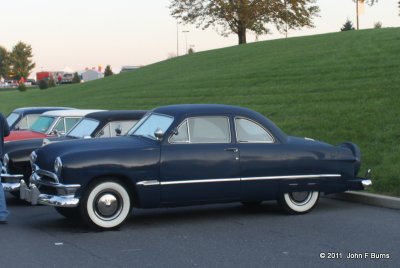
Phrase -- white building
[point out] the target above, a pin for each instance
(90, 75)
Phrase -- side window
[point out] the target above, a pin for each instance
(23, 123)
(31, 118)
(248, 131)
(70, 122)
(60, 127)
(211, 129)
(105, 132)
(183, 135)
(120, 128)
(117, 128)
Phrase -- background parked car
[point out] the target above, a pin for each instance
(103, 124)
(52, 123)
(23, 118)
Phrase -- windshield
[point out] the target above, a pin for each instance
(12, 118)
(42, 124)
(150, 124)
(85, 127)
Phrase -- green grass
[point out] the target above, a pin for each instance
(333, 87)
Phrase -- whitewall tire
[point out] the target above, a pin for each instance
(299, 202)
(106, 205)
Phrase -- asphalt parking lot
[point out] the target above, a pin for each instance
(225, 235)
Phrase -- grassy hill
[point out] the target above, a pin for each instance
(334, 87)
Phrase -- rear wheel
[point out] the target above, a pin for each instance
(299, 202)
(105, 205)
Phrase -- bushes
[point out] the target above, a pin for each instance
(21, 87)
(43, 84)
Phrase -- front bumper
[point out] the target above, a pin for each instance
(10, 182)
(63, 194)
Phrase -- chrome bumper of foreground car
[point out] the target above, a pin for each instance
(34, 196)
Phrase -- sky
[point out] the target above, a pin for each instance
(83, 34)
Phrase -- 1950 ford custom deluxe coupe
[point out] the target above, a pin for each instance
(189, 154)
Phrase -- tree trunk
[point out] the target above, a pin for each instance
(242, 34)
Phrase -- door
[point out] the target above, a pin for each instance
(199, 163)
(259, 161)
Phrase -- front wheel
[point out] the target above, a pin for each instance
(299, 202)
(106, 205)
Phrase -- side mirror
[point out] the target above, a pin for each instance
(159, 134)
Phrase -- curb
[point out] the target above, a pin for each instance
(369, 199)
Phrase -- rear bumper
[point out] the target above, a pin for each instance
(366, 183)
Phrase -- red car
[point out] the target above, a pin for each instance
(52, 123)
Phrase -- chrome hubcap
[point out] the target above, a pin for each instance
(108, 205)
(300, 198)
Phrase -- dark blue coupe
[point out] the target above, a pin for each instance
(185, 155)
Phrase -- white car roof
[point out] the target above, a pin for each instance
(77, 112)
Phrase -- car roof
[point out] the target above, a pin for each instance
(36, 110)
(117, 115)
(76, 112)
(180, 109)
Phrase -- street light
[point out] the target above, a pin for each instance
(186, 32)
(177, 38)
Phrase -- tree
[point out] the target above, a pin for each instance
(377, 25)
(76, 79)
(190, 50)
(108, 71)
(238, 16)
(347, 26)
(21, 61)
(4, 62)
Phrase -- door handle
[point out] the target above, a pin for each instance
(235, 150)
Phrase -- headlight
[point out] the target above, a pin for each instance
(33, 158)
(57, 166)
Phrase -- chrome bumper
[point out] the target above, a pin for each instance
(10, 182)
(64, 198)
(366, 183)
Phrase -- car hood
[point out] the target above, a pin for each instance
(47, 154)
(24, 135)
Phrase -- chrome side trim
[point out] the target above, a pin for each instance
(292, 177)
(199, 181)
(148, 183)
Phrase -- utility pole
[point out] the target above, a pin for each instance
(186, 32)
(357, 14)
(177, 39)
